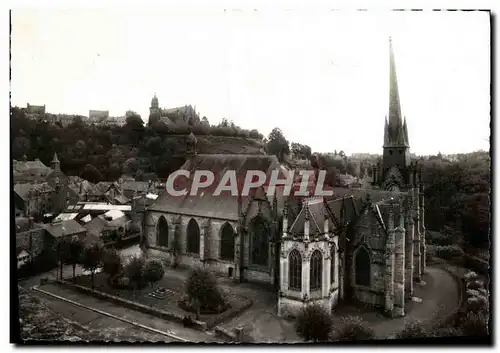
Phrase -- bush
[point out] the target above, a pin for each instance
(112, 262)
(134, 270)
(153, 270)
(471, 275)
(314, 323)
(202, 286)
(440, 239)
(478, 304)
(476, 284)
(449, 252)
(478, 265)
(353, 328)
(414, 329)
(474, 325)
(447, 332)
(472, 293)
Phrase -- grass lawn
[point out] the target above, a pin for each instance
(175, 291)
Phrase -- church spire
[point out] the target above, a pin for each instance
(56, 165)
(395, 129)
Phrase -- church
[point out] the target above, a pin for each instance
(365, 245)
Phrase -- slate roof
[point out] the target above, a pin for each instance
(103, 186)
(121, 199)
(35, 166)
(345, 207)
(139, 186)
(64, 228)
(96, 226)
(205, 204)
(22, 190)
(316, 212)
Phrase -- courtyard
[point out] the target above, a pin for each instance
(438, 292)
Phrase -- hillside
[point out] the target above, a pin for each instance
(98, 153)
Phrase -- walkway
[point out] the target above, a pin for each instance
(440, 296)
(96, 321)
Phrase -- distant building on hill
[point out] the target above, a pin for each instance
(34, 111)
(179, 115)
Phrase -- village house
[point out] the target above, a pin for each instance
(33, 200)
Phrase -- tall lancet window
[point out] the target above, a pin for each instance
(162, 232)
(362, 267)
(193, 237)
(294, 271)
(316, 271)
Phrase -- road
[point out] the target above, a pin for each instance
(105, 327)
(97, 321)
(115, 329)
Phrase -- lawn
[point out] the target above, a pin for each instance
(174, 293)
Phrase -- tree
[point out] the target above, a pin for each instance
(202, 286)
(314, 323)
(92, 257)
(91, 174)
(63, 254)
(134, 271)
(20, 147)
(277, 144)
(134, 121)
(112, 263)
(75, 253)
(153, 270)
(301, 151)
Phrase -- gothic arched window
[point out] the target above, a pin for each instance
(259, 241)
(332, 264)
(193, 237)
(294, 271)
(162, 232)
(363, 269)
(316, 271)
(227, 242)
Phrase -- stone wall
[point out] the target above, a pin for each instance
(212, 245)
(370, 234)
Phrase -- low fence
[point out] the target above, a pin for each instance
(166, 315)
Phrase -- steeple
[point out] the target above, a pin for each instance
(56, 165)
(395, 133)
(396, 144)
(154, 101)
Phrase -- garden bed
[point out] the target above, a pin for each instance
(167, 307)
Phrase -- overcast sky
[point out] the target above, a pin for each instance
(322, 77)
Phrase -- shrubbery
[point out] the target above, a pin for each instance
(153, 270)
(353, 328)
(134, 271)
(112, 262)
(440, 239)
(449, 252)
(202, 287)
(314, 323)
(414, 329)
